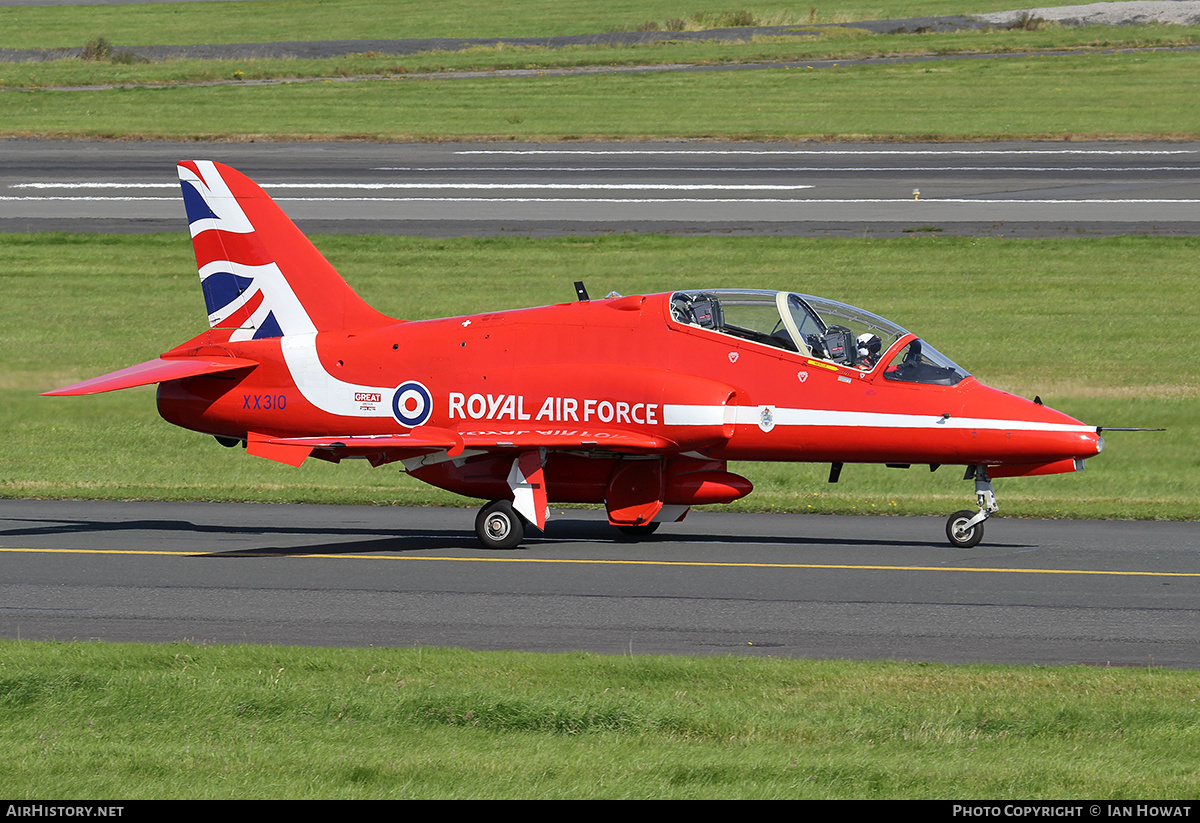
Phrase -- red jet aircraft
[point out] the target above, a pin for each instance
(636, 402)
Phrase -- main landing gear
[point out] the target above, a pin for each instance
(501, 523)
(964, 529)
(498, 526)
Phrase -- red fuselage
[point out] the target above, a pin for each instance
(621, 364)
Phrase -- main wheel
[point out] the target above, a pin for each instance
(644, 530)
(960, 538)
(498, 526)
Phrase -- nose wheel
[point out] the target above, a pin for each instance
(964, 529)
(962, 535)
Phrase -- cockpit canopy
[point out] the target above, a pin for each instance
(819, 328)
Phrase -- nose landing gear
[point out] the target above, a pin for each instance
(964, 529)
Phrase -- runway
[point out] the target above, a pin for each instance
(483, 189)
(1048, 592)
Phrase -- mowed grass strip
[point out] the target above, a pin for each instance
(208, 722)
(1103, 329)
(840, 43)
(1116, 95)
(261, 22)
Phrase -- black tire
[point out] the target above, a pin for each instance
(498, 526)
(967, 539)
(644, 530)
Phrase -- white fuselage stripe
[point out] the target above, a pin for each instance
(322, 389)
(674, 415)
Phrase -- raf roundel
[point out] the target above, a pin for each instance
(412, 404)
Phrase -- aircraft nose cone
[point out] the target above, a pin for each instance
(1021, 431)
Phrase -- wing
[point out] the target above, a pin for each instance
(379, 449)
(428, 444)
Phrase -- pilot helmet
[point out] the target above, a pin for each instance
(868, 346)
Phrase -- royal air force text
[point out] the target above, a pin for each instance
(552, 409)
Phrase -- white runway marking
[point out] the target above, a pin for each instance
(94, 186)
(464, 186)
(82, 198)
(774, 169)
(792, 200)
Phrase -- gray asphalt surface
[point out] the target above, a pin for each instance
(1051, 592)
(475, 189)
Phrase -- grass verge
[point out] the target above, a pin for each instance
(96, 721)
(249, 22)
(123, 67)
(1116, 95)
(1076, 321)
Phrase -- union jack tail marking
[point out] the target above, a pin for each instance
(261, 276)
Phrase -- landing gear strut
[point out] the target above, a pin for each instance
(964, 529)
(498, 526)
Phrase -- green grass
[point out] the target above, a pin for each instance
(101, 721)
(267, 21)
(1097, 327)
(1125, 95)
(1097, 96)
(824, 43)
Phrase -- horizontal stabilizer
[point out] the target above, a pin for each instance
(158, 370)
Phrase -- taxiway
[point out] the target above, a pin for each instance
(478, 189)
(1047, 592)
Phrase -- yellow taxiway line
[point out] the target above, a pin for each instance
(580, 561)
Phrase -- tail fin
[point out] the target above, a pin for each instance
(261, 276)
